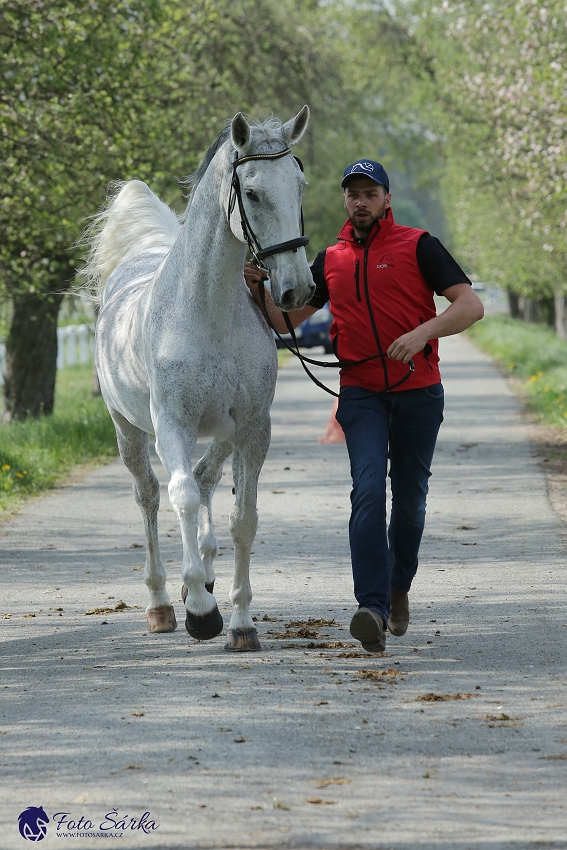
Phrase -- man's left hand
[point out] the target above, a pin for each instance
(407, 345)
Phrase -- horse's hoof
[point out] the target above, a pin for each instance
(210, 587)
(242, 640)
(204, 628)
(161, 619)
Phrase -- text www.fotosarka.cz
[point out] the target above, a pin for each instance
(34, 823)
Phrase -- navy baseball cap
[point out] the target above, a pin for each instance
(367, 168)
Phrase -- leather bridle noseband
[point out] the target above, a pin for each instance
(257, 252)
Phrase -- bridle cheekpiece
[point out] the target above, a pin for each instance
(257, 252)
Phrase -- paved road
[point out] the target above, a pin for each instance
(309, 743)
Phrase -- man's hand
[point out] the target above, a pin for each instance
(409, 344)
(465, 309)
(253, 276)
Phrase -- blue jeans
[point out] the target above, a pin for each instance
(403, 427)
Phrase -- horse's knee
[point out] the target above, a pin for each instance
(184, 493)
(146, 492)
(243, 526)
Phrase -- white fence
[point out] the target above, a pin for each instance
(74, 345)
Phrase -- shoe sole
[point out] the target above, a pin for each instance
(364, 628)
(397, 631)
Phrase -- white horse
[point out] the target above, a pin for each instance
(182, 350)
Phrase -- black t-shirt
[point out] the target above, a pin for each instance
(436, 264)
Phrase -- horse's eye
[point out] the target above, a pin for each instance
(250, 193)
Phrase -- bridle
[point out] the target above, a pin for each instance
(257, 252)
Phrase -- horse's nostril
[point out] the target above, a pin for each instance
(288, 300)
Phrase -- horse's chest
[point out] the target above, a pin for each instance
(218, 397)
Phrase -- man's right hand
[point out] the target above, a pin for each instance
(253, 275)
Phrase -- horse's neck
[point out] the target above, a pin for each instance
(210, 259)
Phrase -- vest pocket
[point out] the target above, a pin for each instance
(357, 279)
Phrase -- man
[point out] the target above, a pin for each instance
(380, 280)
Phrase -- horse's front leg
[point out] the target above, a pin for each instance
(174, 444)
(249, 455)
(133, 445)
(208, 473)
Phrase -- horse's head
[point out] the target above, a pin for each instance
(265, 203)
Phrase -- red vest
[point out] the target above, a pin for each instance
(377, 293)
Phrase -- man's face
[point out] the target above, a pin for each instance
(365, 203)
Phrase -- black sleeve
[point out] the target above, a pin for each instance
(437, 266)
(321, 295)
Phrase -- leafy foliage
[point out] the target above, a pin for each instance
(499, 78)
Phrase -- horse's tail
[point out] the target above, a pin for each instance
(133, 220)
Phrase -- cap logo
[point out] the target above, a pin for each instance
(362, 166)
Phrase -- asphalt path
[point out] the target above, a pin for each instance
(455, 738)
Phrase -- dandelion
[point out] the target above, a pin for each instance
(6, 467)
(19, 475)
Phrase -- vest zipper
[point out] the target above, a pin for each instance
(373, 321)
(356, 280)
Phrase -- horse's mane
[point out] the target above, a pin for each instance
(134, 219)
(263, 133)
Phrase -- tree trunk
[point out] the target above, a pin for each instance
(514, 305)
(560, 302)
(31, 356)
(528, 308)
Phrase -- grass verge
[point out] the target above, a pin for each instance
(535, 357)
(37, 454)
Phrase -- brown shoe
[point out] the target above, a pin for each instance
(368, 627)
(399, 613)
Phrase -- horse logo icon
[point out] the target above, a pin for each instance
(33, 823)
(362, 166)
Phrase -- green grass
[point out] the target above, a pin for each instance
(37, 454)
(535, 356)
(283, 356)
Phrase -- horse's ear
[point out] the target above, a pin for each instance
(294, 129)
(240, 132)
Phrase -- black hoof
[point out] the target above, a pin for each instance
(204, 628)
(210, 587)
